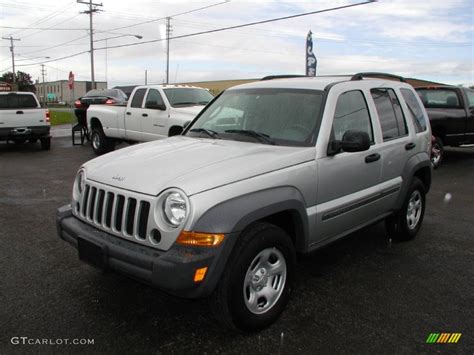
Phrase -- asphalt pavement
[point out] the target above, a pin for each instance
(362, 295)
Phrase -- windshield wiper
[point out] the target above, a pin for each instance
(262, 137)
(209, 132)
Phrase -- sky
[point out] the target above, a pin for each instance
(430, 40)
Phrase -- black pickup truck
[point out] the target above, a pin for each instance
(451, 113)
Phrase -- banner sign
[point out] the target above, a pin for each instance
(311, 61)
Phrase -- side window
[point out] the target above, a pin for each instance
(415, 109)
(351, 114)
(138, 98)
(390, 113)
(153, 98)
(470, 97)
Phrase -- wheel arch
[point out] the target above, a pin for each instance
(418, 166)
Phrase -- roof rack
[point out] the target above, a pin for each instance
(285, 76)
(360, 76)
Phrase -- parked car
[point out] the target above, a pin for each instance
(98, 97)
(153, 112)
(22, 119)
(451, 113)
(267, 170)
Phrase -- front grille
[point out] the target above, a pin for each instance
(125, 215)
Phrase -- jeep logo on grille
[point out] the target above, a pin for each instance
(118, 177)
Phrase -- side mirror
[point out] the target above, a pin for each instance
(176, 131)
(352, 141)
(153, 105)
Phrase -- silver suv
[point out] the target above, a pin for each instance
(265, 171)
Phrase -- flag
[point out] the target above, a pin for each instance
(311, 61)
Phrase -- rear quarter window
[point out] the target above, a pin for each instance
(415, 110)
(17, 101)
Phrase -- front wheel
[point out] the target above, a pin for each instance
(256, 285)
(100, 143)
(405, 224)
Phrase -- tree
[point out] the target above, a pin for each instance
(23, 80)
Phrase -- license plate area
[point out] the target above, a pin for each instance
(91, 253)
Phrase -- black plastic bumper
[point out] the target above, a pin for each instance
(172, 270)
(36, 132)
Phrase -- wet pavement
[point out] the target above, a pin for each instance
(361, 295)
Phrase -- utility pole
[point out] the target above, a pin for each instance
(92, 9)
(168, 34)
(43, 72)
(146, 76)
(12, 49)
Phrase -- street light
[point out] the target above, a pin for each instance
(30, 58)
(105, 39)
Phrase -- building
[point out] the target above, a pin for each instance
(58, 91)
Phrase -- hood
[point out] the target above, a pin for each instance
(192, 111)
(191, 164)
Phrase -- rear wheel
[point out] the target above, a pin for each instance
(405, 224)
(100, 143)
(256, 285)
(437, 152)
(45, 143)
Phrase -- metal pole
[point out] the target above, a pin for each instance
(12, 49)
(44, 88)
(168, 30)
(92, 45)
(146, 77)
(106, 62)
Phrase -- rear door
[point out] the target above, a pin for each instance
(154, 118)
(469, 94)
(133, 115)
(20, 110)
(397, 144)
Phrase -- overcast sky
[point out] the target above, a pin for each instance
(431, 40)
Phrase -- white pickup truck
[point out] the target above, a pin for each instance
(22, 119)
(152, 112)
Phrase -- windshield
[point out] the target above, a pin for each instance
(105, 93)
(179, 97)
(269, 116)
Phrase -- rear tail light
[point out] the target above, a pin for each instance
(78, 103)
(110, 102)
(47, 116)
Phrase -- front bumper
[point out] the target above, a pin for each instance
(171, 271)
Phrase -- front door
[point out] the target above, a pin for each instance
(348, 183)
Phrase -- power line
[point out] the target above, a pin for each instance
(46, 28)
(164, 18)
(213, 31)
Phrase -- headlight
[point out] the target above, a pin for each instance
(79, 184)
(175, 208)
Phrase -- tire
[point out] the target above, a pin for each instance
(250, 296)
(45, 143)
(100, 143)
(437, 153)
(405, 224)
(33, 140)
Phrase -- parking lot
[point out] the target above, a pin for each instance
(362, 295)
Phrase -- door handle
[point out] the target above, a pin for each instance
(129, 113)
(410, 146)
(145, 114)
(372, 157)
(19, 112)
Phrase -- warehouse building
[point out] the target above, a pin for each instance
(58, 91)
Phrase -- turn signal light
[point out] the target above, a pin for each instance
(200, 274)
(200, 239)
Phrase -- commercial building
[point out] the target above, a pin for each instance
(58, 91)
